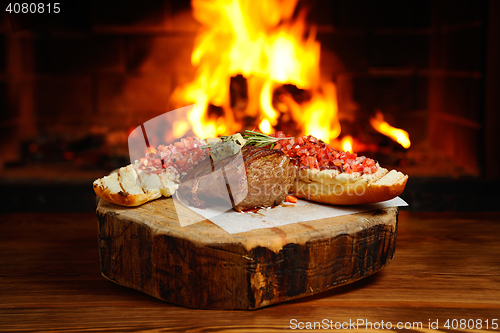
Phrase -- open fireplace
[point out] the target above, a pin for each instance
(74, 86)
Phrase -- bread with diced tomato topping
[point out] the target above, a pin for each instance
(336, 177)
(348, 189)
(155, 175)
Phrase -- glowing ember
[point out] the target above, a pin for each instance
(270, 46)
(347, 144)
(265, 126)
(398, 135)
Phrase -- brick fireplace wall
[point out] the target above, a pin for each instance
(423, 63)
(105, 68)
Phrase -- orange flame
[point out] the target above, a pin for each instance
(270, 47)
(398, 135)
(347, 144)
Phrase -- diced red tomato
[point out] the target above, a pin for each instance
(182, 155)
(308, 152)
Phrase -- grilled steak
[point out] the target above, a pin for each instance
(257, 177)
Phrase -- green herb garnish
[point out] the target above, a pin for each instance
(260, 139)
(253, 138)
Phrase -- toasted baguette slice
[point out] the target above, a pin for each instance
(167, 181)
(332, 187)
(127, 187)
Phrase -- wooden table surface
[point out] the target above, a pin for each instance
(446, 266)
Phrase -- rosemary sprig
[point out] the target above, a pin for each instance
(260, 139)
(254, 138)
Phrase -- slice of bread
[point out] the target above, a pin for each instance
(348, 189)
(128, 187)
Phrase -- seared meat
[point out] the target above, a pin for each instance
(257, 177)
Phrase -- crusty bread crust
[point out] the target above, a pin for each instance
(332, 187)
(126, 187)
(124, 198)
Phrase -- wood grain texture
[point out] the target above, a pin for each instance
(202, 266)
(446, 266)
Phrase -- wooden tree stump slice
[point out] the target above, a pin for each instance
(202, 266)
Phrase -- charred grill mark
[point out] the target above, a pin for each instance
(137, 180)
(122, 192)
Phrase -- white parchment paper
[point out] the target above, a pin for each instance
(286, 213)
